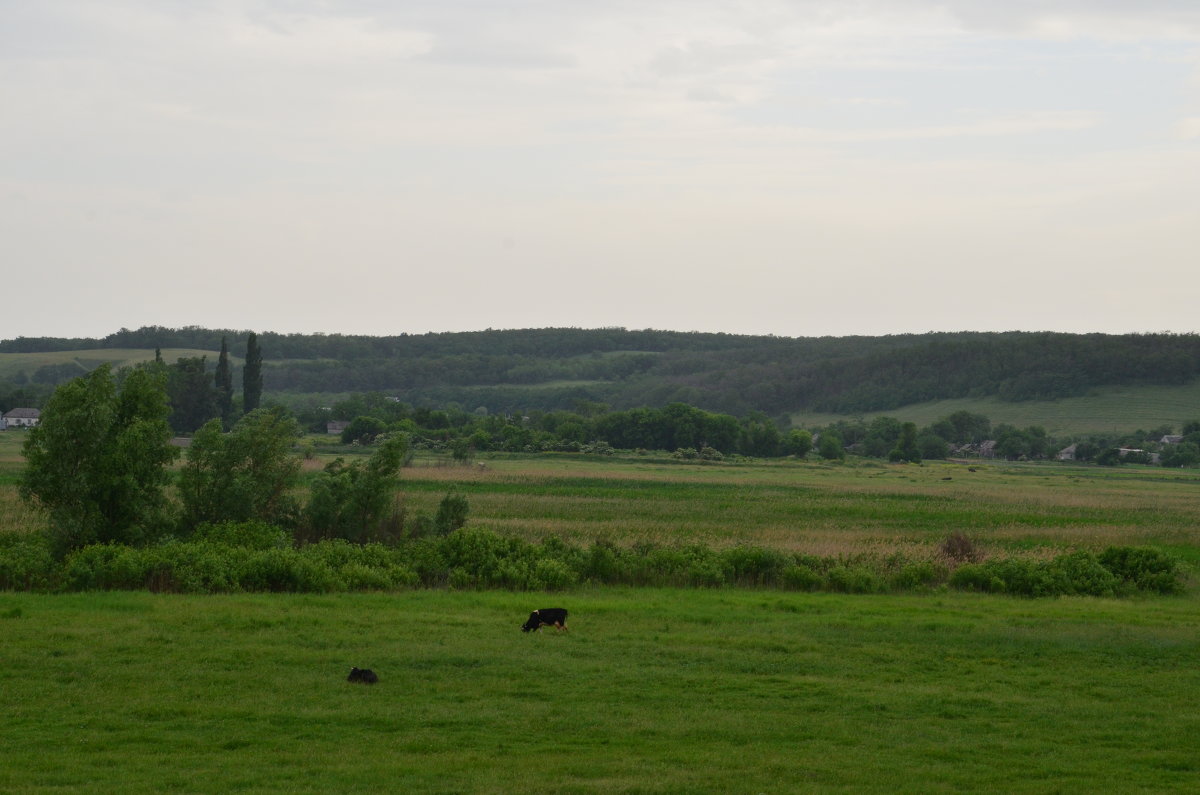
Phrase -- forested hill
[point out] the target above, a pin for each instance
(557, 367)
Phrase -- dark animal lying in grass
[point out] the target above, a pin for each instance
(363, 675)
(546, 617)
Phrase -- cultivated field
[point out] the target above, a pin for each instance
(824, 509)
(87, 360)
(651, 690)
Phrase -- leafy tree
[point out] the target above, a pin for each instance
(480, 440)
(363, 430)
(193, 398)
(223, 382)
(353, 501)
(906, 445)
(1184, 454)
(830, 446)
(963, 427)
(760, 437)
(461, 450)
(932, 447)
(1136, 457)
(452, 513)
(799, 443)
(97, 460)
(882, 435)
(244, 475)
(252, 378)
(1013, 443)
(30, 395)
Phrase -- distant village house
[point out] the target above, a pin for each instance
(20, 418)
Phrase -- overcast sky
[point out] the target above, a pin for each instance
(796, 168)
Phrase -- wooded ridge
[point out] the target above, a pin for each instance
(553, 368)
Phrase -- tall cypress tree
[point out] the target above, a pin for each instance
(193, 399)
(252, 375)
(223, 379)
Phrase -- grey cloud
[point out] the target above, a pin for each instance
(502, 55)
(701, 57)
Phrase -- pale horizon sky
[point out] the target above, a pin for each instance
(797, 168)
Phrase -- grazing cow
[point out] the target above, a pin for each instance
(546, 617)
(363, 676)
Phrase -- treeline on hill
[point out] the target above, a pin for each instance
(690, 433)
(547, 369)
(196, 394)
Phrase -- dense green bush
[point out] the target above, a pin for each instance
(1078, 573)
(799, 577)
(26, 562)
(754, 565)
(919, 574)
(252, 556)
(854, 579)
(1116, 570)
(251, 534)
(1144, 568)
(976, 577)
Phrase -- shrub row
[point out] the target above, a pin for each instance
(257, 557)
(1115, 572)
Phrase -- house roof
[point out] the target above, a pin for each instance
(22, 414)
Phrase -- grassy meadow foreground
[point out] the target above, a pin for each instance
(725, 689)
(651, 690)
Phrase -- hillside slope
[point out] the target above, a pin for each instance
(1067, 379)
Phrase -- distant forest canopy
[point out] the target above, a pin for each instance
(556, 368)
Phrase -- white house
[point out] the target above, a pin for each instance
(21, 418)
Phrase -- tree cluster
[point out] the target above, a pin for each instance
(97, 463)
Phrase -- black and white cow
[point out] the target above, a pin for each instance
(546, 617)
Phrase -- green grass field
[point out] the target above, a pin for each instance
(823, 509)
(652, 690)
(649, 691)
(13, 363)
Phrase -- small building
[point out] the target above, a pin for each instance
(987, 449)
(21, 418)
(335, 427)
(1171, 438)
(1067, 453)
